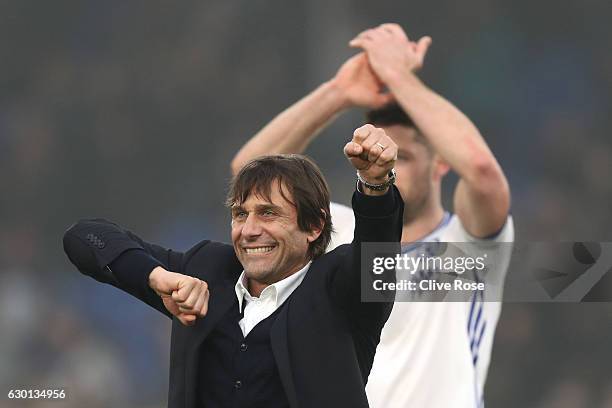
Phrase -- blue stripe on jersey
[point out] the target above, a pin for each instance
(477, 325)
(471, 313)
(476, 306)
(477, 321)
(475, 350)
(476, 328)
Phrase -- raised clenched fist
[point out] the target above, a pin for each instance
(372, 153)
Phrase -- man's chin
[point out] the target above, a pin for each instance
(257, 272)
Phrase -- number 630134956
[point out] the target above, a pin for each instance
(37, 394)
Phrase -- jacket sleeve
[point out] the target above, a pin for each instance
(109, 254)
(377, 219)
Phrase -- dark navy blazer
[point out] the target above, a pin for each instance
(323, 340)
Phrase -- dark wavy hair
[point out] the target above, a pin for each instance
(309, 192)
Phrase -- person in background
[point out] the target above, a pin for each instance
(431, 354)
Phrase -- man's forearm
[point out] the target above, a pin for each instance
(293, 129)
(482, 196)
(452, 134)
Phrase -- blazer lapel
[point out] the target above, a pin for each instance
(280, 349)
(221, 299)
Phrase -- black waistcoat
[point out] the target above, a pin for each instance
(239, 372)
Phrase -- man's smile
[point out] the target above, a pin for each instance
(258, 249)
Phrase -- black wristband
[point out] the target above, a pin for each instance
(378, 187)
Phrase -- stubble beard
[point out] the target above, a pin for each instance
(416, 206)
(259, 274)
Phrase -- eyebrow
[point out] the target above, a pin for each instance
(259, 207)
(270, 206)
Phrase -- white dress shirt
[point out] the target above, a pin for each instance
(270, 299)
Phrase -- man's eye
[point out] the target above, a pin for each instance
(268, 213)
(240, 214)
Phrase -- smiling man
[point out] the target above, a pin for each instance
(273, 320)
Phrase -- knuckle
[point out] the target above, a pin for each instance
(387, 155)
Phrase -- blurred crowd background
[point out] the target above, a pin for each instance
(132, 110)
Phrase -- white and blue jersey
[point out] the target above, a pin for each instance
(436, 354)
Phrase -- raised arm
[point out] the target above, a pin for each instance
(378, 218)
(482, 196)
(293, 129)
(112, 255)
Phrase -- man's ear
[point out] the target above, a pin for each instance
(440, 167)
(313, 235)
(316, 232)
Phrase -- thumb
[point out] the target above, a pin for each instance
(163, 282)
(186, 319)
(352, 149)
(170, 305)
(423, 45)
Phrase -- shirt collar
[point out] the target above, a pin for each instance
(278, 291)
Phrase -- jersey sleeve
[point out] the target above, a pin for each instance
(498, 249)
(457, 233)
(343, 221)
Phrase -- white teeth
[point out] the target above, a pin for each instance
(258, 250)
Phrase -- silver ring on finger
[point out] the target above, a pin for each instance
(383, 147)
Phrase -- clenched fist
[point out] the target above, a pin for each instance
(372, 153)
(184, 296)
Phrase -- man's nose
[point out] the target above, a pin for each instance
(251, 227)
